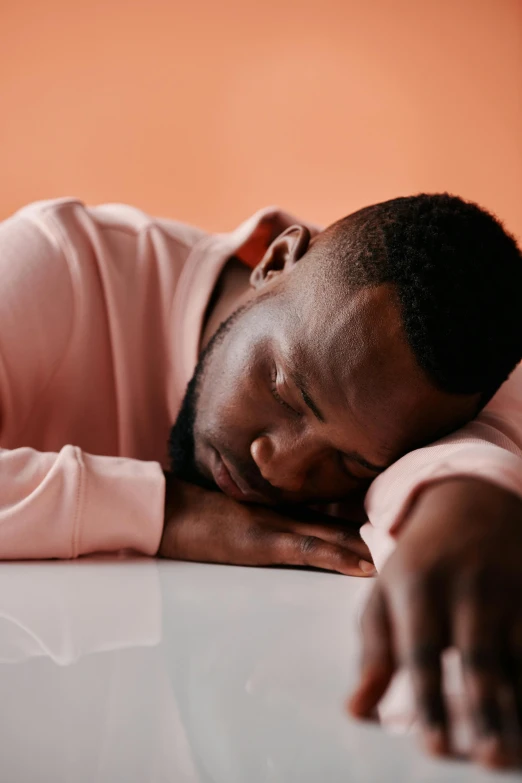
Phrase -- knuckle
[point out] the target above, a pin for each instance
(413, 580)
(345, 536)
(412, 601)
(265, 537)
(309, 545)
(419, 584)
(258, 532)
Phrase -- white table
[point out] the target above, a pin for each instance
(146, 672)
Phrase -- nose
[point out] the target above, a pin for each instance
(283, 461)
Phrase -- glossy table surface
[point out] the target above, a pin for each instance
(142, 671)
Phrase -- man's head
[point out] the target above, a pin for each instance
(387, 330)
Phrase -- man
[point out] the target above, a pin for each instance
(341, 352)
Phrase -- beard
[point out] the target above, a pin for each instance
(181, 444)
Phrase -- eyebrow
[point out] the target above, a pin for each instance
(351, 455)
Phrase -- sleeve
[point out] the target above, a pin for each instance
(70, 503)
(489, 447)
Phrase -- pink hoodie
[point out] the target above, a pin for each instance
(100, 321)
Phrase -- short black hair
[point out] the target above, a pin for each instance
(458, 277)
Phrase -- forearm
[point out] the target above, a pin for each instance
(488, 448)
(66, 504)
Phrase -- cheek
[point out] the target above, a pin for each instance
(217, 426)
(326, 479)
(230, 410)
(333, 482)
(235, 402)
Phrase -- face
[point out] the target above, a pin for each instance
(308, 391)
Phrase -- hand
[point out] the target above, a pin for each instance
(211, 527)
(455, 579)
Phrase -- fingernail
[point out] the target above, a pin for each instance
(367, 568)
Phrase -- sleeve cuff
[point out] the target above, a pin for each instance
(392, 495)
(120, 506)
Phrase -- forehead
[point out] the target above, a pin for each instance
(352, 348)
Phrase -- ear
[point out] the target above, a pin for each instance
(282, 255)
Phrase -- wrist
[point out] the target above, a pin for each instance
(458, 497)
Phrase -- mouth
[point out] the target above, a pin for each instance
(234, 485)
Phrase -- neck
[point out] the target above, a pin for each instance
(231, 291)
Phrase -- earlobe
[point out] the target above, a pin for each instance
(281, 256)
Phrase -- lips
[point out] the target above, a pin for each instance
(233, 485)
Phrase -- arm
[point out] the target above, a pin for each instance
(210, 527)
(64, 503)
(490, 448)
(72, 503)
(453, 581)
(67, 502)
(447, 535)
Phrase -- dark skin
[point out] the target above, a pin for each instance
(310, 394)
(314, 390)
(454, 580)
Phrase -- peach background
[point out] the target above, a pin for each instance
(208, 109)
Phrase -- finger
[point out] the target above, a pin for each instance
(308, 550)
(490, 701)
(378, 663)
(316, 515)
(419, 634)
(339, 535)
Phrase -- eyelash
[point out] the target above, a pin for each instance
(277, 397)
(346, 470)
(349, 473)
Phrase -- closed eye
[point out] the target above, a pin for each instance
(368, 478)
(277, 397)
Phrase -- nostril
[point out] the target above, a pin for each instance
(262, 453)
(276, 466)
